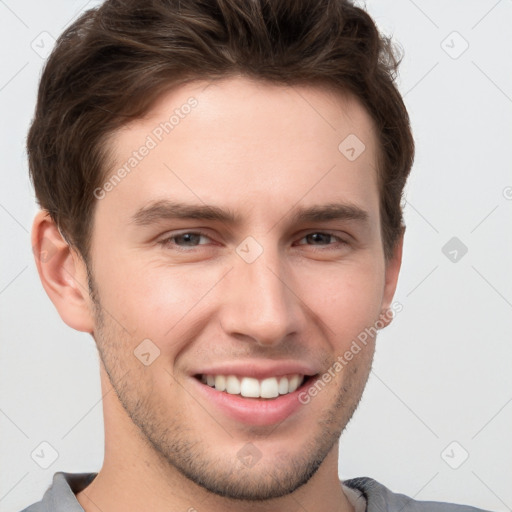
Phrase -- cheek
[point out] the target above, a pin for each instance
(347, 299)
(151, 300)
(155, 301)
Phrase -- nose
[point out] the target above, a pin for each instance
(260, 302)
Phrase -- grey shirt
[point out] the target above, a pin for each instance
(365, 494)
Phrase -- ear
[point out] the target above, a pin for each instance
(391, 280)
(63, 274)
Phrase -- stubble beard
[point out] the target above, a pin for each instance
(179, 445)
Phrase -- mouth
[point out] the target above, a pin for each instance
(255, 393)
(270, 388)
(252, 401)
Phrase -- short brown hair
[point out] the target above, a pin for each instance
(114, 61)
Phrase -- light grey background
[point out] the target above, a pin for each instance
(442, 371)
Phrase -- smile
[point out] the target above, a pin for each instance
(250, 387)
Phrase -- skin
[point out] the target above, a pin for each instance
(262, 151)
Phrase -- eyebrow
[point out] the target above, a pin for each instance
(165, 209)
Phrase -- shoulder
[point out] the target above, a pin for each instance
(60, 495)
(381, 499)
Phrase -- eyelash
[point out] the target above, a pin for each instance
(166, 243)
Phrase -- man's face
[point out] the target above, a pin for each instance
(266, 295)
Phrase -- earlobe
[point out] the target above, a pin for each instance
(63, 274)
(391, 280)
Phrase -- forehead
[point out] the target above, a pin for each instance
(246, 144)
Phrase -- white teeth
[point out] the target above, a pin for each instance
(283, 385)
(232, 385)
(293, 383)
(269, 388)
(220, 383)
(250, 387)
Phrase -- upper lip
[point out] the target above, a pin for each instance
(258, 369)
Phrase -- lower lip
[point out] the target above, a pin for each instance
(254, 411)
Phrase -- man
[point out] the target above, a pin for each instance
(220, 185)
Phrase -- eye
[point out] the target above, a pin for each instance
(188, 240)
(182, 240)
(321, 236)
